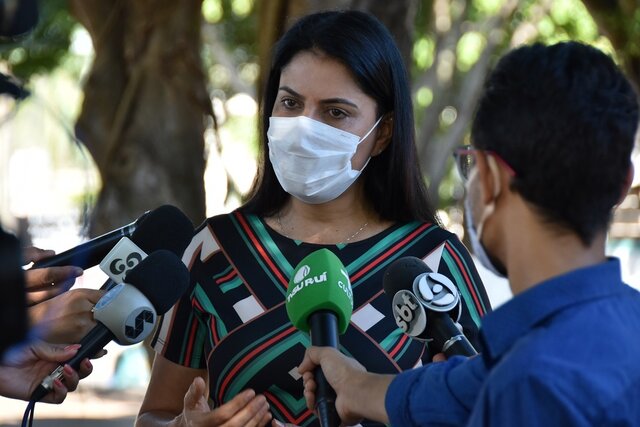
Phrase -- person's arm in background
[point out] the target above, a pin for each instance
(24, 368)
(178, 396)
(436, 394)
(60, 315)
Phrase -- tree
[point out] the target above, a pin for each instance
(620, 21)
(144, 109)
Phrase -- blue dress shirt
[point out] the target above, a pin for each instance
(563, 353)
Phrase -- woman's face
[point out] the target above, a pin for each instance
(315, 85)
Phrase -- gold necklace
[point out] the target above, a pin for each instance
(278, 218)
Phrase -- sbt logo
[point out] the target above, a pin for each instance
(409, 314)
(302, 281)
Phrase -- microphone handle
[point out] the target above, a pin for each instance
(324, 333)
(447, 337)
(89, 253)
(91, 344)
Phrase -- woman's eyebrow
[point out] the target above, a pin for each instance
(324, 101)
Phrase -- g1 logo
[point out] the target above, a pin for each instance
(119, 266)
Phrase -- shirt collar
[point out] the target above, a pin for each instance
(511, 321)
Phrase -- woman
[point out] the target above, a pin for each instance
(338, 171)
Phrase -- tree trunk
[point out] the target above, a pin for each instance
(618, 20)
(276, 16)
(145, 102)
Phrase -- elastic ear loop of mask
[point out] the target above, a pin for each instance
(488, 210)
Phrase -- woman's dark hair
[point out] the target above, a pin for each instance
(393, 182)
(564, 117)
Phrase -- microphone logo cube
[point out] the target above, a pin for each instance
(319, 282)
(123, 257)
(140, 323)
(436, 291)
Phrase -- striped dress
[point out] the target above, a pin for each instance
(232, 320)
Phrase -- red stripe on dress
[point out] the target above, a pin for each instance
(290, 417)
(192, 335)
(226, 278)
(249, 356)
(389, 252)
(261, 250)
(467, 279)
(398, 346)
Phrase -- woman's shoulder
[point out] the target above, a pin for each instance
(221, 220)
(429, 230)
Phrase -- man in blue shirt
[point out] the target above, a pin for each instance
(552, 140)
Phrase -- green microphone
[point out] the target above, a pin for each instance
(320, 301)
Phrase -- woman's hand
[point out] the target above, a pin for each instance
(244, 410)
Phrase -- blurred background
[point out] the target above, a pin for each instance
(114, 107)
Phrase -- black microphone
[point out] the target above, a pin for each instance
(166, 227)
(92, 252)
(425, 304)
(128, 313)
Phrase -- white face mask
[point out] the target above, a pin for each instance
(312, 160)
(475, 236)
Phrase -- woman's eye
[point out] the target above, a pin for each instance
(336, 113)
(289, 103)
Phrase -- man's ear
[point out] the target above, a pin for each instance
(627, 183)
(488, 176)
(384, 134)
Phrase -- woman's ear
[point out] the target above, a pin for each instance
(384, 134)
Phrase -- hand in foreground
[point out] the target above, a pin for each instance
(359, 394)
(244, 410)
(44, 283)
(67, 317)
(24, 369)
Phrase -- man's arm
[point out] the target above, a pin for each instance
(360, 394)
(436, 394)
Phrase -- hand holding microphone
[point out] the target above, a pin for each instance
(128, 312)
(320, 301)
(425, 305)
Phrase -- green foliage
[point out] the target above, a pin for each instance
(235, 23)
(46, 46)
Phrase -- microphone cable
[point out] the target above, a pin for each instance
(27, 419)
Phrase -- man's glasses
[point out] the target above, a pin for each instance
(465, 158)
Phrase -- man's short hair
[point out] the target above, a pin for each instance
(564, 117)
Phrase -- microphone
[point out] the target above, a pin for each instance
(320, 301)
(163, 228)
(128, 313)
(90, 253)
(425, 305)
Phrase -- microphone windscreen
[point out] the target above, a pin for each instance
(401, 274)
(161, 277)
(319, 283)
(166, 227)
